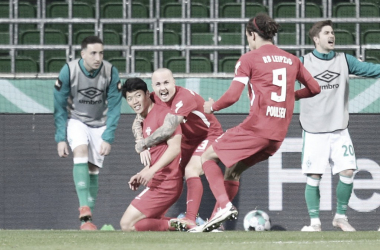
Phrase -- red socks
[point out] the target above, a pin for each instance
(215, 179)
(194, 197)
(232, 188)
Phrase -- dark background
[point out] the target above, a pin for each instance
(37, 190)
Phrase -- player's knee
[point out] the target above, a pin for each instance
(347, 176)
(193, 171)
(313, 180)
(126, 225)
(347, 173)
(231, 175)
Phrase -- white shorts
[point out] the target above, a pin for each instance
(79, 133)
(333, 149)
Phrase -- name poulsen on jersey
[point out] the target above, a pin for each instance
(274, 111)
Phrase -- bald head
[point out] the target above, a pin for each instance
(159, 73)
(163, 84)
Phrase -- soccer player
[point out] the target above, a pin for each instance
(324, 120)
(198, 130)
(269, 74)
(163, 178)
(87, 103)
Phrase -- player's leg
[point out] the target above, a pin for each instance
(194, 190)
(147, 210)
(95, 162)
(344, 159)
(215, 178)
(315, 159)
(131, 216)
(231, 182)
(78, 140)
(312, 198)
(94, 185)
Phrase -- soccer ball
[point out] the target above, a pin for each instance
(256, 220)
(198, 220)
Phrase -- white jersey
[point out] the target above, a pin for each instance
(328, 111)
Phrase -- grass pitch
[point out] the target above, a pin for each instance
(230, 240)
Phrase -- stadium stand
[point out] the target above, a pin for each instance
(115, 10)
(50, 37)
(174, 9)
(150, 34)
(61, 9)
(25, 10)
(146, 37)
(197, 65)
(141, 64)
(22, 65)
(349, 10)
(234, 10)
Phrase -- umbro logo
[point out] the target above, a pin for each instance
(327, 76)
(91, 92)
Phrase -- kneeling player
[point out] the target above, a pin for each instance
(163, 178)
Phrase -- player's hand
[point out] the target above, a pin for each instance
(207, 105)
(63, 149)
(146, 175)
(296, 98)
(140, 146)
(105, 148)
(134, 182)
(145, 158)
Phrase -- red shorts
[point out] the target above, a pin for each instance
(155, 200)
(194, 148)
(238, 144)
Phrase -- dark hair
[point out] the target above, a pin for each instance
(263, 25)
(317, 27)
(90, 40)
(133, 84)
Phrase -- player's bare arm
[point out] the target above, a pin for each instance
(161, 134)
(137, 128)
(138, 134)
(173, 150)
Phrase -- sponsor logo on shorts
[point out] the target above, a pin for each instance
(308, 163)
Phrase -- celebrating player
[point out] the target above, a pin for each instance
(324, 120)
(163, 177)
(87, 103)
(199, 130)
(270, 74)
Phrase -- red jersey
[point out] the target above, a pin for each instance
(270, 74)
(197, 125)
(152, 121)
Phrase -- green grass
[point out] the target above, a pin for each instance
(231, 240)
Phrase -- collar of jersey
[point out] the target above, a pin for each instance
(84, 70)
(324, 56)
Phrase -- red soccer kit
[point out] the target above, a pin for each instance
(270, 74)
(199, 129)
(166, 185)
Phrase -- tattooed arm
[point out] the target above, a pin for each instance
(138, 134)
(137, 128)
(161, 134)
